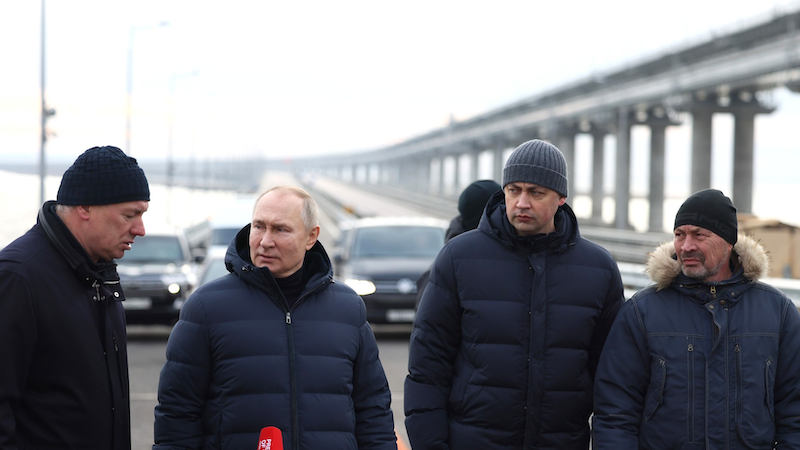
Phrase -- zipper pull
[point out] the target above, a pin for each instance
(713, 290)
(288, 318)
(96, 287)
(736, 349)
(116, 347)
(691, 348)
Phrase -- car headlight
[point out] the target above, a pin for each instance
(176, 282)
(362, 287)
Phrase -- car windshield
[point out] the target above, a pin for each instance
(394, 241)
(155, 249)
(215, 268)
(223, 236)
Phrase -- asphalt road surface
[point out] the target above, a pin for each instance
(147, 344)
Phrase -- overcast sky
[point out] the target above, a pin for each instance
(244, 78)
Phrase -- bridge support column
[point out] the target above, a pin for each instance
(701, 148)
(473, 165)
(655, 196)
(498, 163)
(423, 175)
(743, 136)
(744, 107)
(598, 160)
(622, 192)
(566, 143)
(658, 120)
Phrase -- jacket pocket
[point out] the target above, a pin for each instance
(655, 391)
(459, 389)
(769, 384)
(755, 408)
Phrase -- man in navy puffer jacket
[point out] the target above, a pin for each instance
(707, 357)
(511, 325)
(274, 343)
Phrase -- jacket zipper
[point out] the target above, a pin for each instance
(690, 424)
(295, 422)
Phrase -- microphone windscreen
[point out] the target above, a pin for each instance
(270, 438)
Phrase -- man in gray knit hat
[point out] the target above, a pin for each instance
(510, 327)
(64, 371)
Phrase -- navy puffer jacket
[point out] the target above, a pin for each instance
(696, 365)
(239, 360)
(507, 338)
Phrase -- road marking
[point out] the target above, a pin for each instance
(401, 445)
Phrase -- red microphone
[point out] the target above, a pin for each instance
(270, 438)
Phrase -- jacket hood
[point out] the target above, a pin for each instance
(237, 261)
(663, 268)
(494, 222)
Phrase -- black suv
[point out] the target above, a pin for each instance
(381, 258)
(157, 274)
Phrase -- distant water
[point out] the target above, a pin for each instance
(183, 207)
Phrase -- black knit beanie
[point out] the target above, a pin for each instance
(712, 210)
(102, 176)
(537, 162)
(473, 199)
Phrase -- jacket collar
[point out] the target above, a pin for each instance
(317, 264)
(663, 268)
(75, 255)
(494, 222)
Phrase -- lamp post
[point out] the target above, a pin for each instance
(129, 85)
(170, 163)
(45, 112)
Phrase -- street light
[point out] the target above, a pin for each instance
(170, 163)
(45, 114)
(131, 32)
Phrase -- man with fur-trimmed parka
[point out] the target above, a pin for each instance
(707, 357)
(512, 322)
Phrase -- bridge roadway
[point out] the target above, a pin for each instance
(343, 201)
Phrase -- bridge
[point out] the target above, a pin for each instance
(733, 73)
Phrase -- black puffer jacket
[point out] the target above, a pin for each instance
(239, 360)
(507, 338)
(63, 365)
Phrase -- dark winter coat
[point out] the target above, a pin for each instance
(507, 338)
(456, 227)
(697, 365)
(63, 365)
(239, 360)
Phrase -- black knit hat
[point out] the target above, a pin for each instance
(473, 199)
(537, 162)
(102, 176)
(712, 210)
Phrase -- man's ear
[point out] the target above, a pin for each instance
(84, 211)
(312, 237)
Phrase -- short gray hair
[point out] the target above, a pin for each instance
(310, 213)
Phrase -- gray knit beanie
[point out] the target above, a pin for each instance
(537, 162)
(102, 176)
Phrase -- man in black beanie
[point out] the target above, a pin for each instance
(707, 356)
(64, 371)
(470, 207)
(511, 324)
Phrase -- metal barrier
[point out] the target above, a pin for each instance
(634, 279)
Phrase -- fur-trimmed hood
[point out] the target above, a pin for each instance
(663, 268)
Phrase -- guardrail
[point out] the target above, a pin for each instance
(629, 248)
(634, 279)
